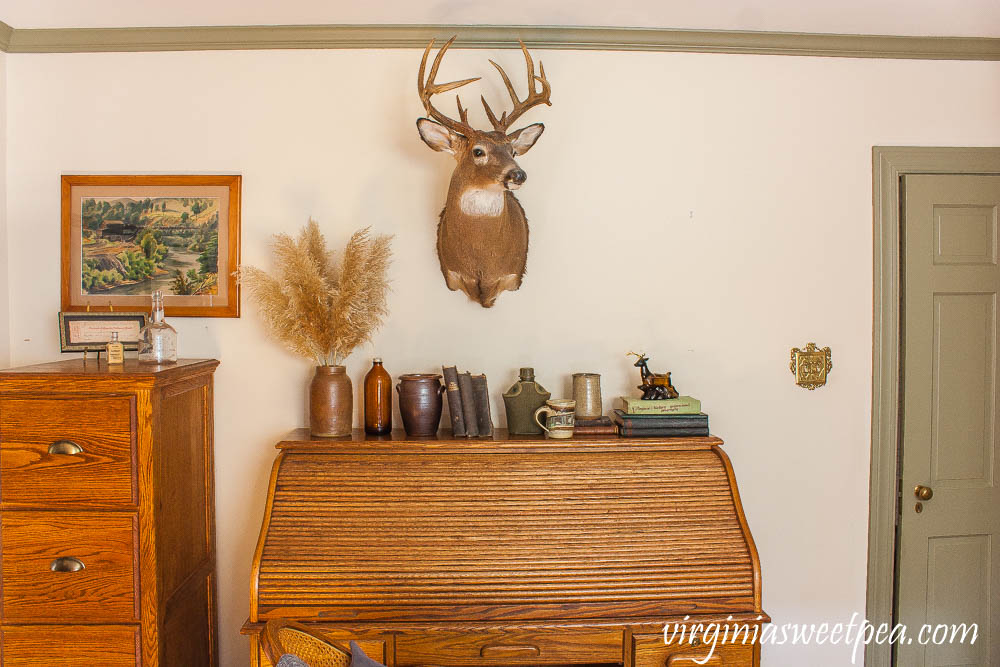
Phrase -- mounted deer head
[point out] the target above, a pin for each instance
(482, 237)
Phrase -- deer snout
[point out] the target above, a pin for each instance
(515, 178)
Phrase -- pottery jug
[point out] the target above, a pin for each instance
(331, 402)
(521, 401)
(420, 403)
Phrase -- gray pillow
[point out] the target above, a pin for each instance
(289, 660)
(359, 659)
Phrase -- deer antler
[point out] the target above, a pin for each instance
(427, 88)
(534, 98)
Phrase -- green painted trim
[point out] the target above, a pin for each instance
(5, 33)
(76, 40)
(889, 165)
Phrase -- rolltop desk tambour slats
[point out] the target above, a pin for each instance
(107, 514)
(505, 551)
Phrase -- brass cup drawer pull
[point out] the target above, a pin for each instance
(67, 447)
(67, 564)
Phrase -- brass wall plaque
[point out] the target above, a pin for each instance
(810, 366)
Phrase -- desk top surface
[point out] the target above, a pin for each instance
(300, 441)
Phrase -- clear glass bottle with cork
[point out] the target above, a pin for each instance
(158, 340)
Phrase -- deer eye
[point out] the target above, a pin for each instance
(478, 152)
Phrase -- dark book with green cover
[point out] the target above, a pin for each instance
(665, 421)
(454, 401)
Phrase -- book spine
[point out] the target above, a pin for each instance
(454, 401)
(468, 405)
(602, 429)
(665, 421)
(482, 397)
(595, 421)
(631, 432)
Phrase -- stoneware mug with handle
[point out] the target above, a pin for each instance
(560, 417)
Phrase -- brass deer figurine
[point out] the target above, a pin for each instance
(482, 235)
(655, 386)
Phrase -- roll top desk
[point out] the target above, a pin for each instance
(506, 551)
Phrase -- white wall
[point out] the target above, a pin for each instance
(4, 279)
(712, 210)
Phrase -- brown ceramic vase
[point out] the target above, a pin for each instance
(331, 402)
(420, 403)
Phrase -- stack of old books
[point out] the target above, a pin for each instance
(669, 418)
(468, 404)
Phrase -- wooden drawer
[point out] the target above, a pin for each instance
(650, 651)
(71, 645)
(104, 591)
(509, 646)
(35, 470)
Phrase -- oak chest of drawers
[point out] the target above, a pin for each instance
(107, 521)
(509, 550)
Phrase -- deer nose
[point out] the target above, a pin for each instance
(517, 176)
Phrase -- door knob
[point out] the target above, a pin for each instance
(923, 492)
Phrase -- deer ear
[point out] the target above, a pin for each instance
(437, 136)
(525, 138)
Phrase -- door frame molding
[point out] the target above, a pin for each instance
(889, 165)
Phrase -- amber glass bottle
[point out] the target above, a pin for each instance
(378, 399)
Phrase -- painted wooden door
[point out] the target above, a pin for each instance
(950, 501)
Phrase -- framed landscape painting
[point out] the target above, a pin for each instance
(124, 237)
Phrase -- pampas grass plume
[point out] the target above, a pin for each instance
(318, 307)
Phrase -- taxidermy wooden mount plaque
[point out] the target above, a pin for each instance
(482, 237)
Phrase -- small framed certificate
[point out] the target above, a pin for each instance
(91, 332)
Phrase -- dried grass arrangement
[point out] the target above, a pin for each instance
(317, 306)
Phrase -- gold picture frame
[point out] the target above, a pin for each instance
(125, 236)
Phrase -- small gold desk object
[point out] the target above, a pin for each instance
(810, 366)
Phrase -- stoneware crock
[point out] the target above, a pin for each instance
(420, 403)
(331, 402)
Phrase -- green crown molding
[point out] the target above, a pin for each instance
(83, 40)
(5, 32)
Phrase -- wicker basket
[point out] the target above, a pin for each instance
(281, 637)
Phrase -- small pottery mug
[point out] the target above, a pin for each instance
(559, 419)
(587, 394)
